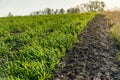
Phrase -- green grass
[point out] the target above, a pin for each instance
(32, 46)
(118, 56)
(115, 33)
(114, 23)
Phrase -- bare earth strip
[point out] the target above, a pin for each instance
(93, 58)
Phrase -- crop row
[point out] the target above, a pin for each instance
(32, 46)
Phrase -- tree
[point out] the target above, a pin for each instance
(77, 9)
(56, 11)
(73, 10)
(92, 6)
(48, 11)
(70, 10)
(83, 7)
(10, 14)
(62, 11)
(36, 13)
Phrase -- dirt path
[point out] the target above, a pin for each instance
(93, 58)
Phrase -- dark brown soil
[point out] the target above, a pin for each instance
(93, 58)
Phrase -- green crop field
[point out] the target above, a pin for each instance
(32, 46)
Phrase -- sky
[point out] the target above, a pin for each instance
(25, 7)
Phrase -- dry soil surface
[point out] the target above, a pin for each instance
(93, 58)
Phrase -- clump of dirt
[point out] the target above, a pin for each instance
(93, 58)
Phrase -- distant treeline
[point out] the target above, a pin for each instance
(92, 6)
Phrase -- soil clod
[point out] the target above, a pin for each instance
(93, 58)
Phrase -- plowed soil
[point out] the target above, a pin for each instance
(93, 58)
